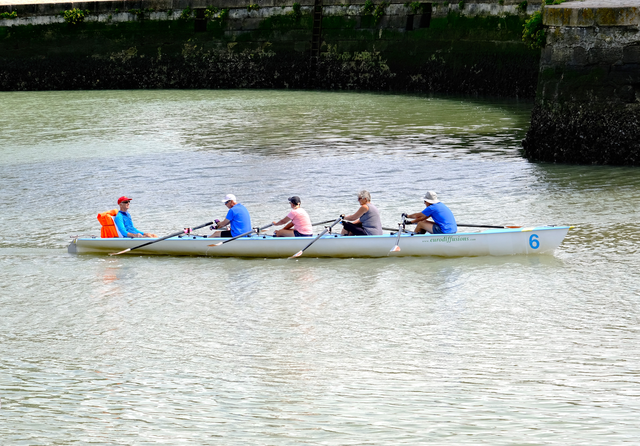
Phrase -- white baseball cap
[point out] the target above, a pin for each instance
(431, 197)
(229, 197)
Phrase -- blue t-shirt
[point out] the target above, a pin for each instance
(124, 224)
(443, 217)
(240, 220)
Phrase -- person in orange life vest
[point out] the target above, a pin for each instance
(123, 221)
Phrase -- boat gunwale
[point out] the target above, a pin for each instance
(256, 237)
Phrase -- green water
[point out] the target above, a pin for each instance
(160, 350)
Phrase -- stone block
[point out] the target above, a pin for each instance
(561, 56)
(580, 57)
(631, 54)
(626, 74)
(605, 56)
(251, 23)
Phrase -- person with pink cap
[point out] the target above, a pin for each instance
(443, 220)
(123, 222)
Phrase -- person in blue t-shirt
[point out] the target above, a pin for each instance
(443, 219)
(123, 221)
(237, 217)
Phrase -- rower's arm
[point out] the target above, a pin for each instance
(417, 217)
(359, 213)
(223, 223)
(281, 222)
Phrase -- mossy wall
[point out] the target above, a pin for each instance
(458, 51)
(587, 107)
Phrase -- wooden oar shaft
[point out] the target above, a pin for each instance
(480, 226)
(299, 253)
(465, 225)
(243, 235)
(321, 223)
(159, 239)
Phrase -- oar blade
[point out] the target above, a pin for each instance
(297, 254)
(121, 252)
(395, 249)
(216, 244)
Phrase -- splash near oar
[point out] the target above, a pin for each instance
(175, 234)
(299, 253)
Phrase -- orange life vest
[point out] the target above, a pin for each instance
(108, 229)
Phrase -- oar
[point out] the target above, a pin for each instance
(242, 235)
(397, 248)
(407, 222)
(384, 228)
(159, 240)
(299, 253)
(321, 223)
(486, 226)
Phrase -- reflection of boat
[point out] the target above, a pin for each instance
(494, 242)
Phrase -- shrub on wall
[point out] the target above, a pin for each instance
(379, 11)
(74, 16)
(533, 33)
(368, 7)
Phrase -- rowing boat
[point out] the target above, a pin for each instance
(493, 242)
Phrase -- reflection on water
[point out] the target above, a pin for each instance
(148, 350)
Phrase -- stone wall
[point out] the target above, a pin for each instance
(588, 98)
(466, 47)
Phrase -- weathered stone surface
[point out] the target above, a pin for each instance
(584, 134)
(593, 13)
(588, 100)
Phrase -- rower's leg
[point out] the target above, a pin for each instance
(424, 226)
(284, 233)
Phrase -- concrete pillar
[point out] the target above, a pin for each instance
(587, 106)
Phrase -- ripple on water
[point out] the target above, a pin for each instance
(143, 350)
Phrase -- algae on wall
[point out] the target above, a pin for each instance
(455, 53)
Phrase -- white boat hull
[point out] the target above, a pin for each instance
(497, 242)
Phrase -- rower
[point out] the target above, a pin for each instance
(366, 220)
(123, 221)
(237, 216)
(443, 219)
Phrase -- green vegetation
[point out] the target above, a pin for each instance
(461, 5)
(296, 13)
(186, 13)
(9, 15)
(533, 33)
(368, 7)
(379, 11)
(74, 16)
(417, 7)
(211, 12)
(554, 2)
(522, 7)
(216, 14)
(139, 13)
(253, 7)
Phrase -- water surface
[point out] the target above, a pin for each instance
(159, 350)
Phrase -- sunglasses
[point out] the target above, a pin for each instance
(125, 202)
